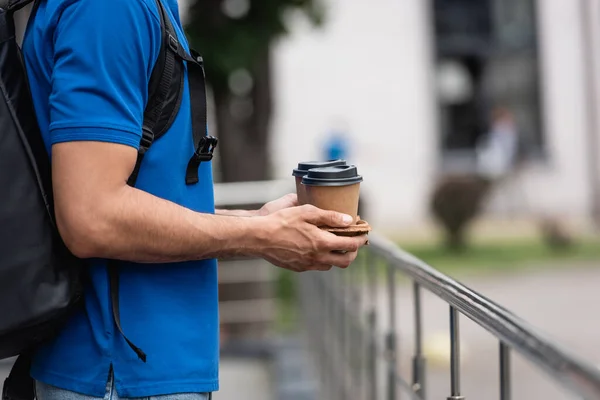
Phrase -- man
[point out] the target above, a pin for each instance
(89, 63)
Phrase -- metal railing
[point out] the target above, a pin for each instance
(247, 300)
(355, 360)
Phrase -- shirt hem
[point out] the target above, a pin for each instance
(155, 389)
(99, 134)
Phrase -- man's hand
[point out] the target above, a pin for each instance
(287, 201)
(294, 241)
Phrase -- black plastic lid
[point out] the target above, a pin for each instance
(303, 167)
(340, 175)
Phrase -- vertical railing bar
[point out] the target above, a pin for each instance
(418, 320)
(391, 345)
(346, 310)
(333, 387)
(318, 324)
(346, 350)
(355, 340)
(454, 356)
(505, 381)
(418, 358)
(362, 325)
(315, 284)
(334, 332)
(340, 333)
(372, 323)
(326, 350)
(347, 322)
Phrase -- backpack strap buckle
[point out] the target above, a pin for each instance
(206, 148)
(145, 143)
(174, 44)
(204, 152)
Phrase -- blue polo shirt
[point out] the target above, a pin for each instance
(89, 63)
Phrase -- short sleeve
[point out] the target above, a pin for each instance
(104, 52)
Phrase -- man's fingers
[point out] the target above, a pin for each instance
(345, 244)
(320, 217)
(320, 267)
(292, 198)
(340, 260)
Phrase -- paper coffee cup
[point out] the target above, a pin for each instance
(334, 188)
(303, 169)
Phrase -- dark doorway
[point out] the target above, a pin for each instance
(486, 56)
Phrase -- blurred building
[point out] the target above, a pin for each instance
(415, 82)
(412, 86)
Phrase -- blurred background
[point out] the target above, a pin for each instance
(475, 125)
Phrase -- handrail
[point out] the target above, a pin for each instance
(358, 361)
(574, 373)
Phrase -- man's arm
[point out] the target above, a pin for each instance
(99, 86)
(237, 213)
(98, 215)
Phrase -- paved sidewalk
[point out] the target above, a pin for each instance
(245, 379)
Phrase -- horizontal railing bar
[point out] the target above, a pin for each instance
(247, 193)
(574, 373)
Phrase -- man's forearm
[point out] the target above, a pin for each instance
(133, 225)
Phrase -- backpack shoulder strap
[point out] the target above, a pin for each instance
(167, 73)
(14, 5)
(19, 385)
(158, 91)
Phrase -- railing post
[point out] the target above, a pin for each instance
(356, 349)
(346, 302)
(454, 356)
(372, 365)
(340, 334)
(329, 334)
(391, 339)
(505, 386)
(418, 358)
(372, 323)
(333, 339)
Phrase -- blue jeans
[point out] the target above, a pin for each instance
(48, 392)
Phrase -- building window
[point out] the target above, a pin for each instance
(487, 60)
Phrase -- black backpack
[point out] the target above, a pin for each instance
(40, 280)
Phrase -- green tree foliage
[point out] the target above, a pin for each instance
(231, 42)
(237, 36)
